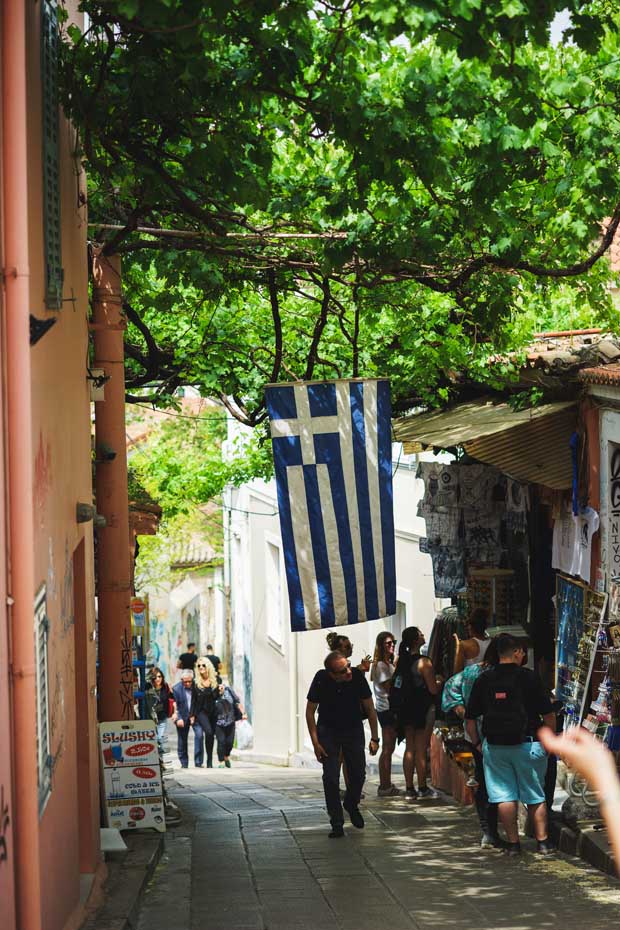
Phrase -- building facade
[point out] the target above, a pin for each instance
(49, 779)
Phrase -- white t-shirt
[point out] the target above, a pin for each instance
(572, 542)
(383, 674)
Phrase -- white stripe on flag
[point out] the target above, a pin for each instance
(372, 462)
(343, 399)
(330, 526)
(303, 546)
(306, 436)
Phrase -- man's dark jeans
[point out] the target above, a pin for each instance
(487, 812)
(351, 743)
(182, 738)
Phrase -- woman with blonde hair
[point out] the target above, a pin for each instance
(381, 674)
(203, 704)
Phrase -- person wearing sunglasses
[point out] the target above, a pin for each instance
(381, 674)
(341, 695)
(203, 707)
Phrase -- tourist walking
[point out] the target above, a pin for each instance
(341, 694)
(216, 662)
(183, 693)
(381, 674)
(412, 699)
(159, 702)
(228, 709)
(513, 704)
(203, 707)
(188, 659)
(454, 698)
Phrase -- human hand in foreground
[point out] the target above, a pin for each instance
(319, 752)
(587, 755)
(373, 747)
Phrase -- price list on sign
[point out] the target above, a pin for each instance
(131, 775)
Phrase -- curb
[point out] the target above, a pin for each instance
(128, 875)
(588, 842)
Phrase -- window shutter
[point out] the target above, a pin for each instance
(51, 161)
(44, 757)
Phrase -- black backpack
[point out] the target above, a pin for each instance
(400, 692)
(505, 720)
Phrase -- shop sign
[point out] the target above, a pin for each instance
(138, 612)
(132, 784)
(613, 512)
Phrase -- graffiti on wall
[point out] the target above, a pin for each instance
(5, 821)
(67, 610)
(42, 478)
(126, 679)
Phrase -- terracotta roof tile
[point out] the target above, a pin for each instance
(601, 374)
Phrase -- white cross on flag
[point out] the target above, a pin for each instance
(332, 452)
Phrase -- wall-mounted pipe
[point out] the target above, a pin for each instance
(20, 462)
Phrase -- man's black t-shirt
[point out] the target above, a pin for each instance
(215, 661)
(188, 660)
(534, 695)
(339, 701)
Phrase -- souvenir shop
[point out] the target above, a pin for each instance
(512, 512)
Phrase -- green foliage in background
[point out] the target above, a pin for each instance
(382, 187)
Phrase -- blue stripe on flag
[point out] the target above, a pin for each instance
(281, 402)
(319, 546)
(328, 452)
(384, 419)
(322, 398)
(363, 497)
(287, 451)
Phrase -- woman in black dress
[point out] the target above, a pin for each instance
(412, 697)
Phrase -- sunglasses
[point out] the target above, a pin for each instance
(342, 671)
(201, 665)
(390, 642)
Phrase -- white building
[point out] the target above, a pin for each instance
(273, 667)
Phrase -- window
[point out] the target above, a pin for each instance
(51, 160)
(273, 595)
(44, 757)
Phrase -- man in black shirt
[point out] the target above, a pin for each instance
(341, 694)
(513, 704)
(215, 661)
(188, 659)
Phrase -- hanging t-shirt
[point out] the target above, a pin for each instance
(572, 542)
(586, 524)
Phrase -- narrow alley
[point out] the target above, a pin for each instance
(252, 853)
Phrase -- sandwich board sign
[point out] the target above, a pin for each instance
(131, 773)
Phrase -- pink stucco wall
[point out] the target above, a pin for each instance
(69, 837)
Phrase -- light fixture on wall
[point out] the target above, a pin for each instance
(84, 513)
(105, 454)
(98, 379)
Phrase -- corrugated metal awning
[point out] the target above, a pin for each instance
(531, 445)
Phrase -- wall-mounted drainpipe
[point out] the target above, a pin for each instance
(113, 545)
(20, 463)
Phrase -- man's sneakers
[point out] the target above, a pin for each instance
(337, 831)
(512, 849)
(492, 842)
(545, 848)
(411, 794)
(391, 792)
(427, 794)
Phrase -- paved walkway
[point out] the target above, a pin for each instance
(253, 854)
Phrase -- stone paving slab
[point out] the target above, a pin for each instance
(253, 854)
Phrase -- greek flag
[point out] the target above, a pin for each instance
(332, 452)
